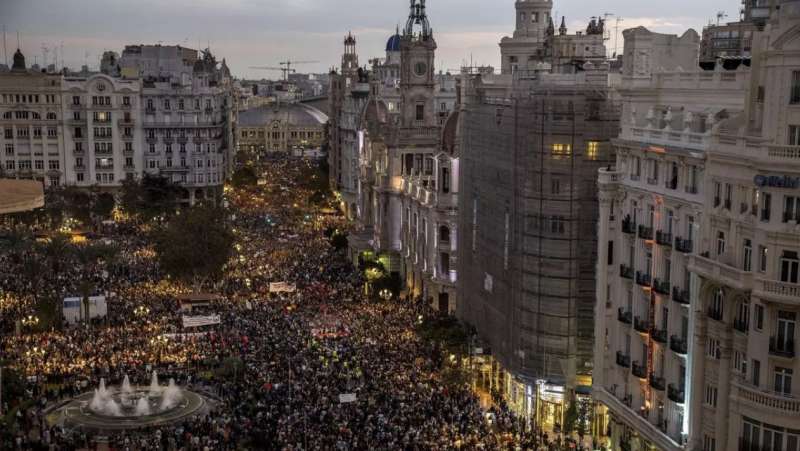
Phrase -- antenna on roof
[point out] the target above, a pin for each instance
(5, 48)
(721, 15)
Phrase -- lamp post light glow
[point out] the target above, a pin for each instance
(30, 321)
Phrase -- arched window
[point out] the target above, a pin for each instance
(720, 243)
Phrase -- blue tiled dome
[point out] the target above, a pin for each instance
(393, 44)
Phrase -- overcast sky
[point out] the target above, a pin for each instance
(264, 32)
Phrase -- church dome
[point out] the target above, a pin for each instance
(393, 44)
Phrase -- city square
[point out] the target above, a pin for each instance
(545, 225)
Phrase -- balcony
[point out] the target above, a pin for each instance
(658, 382)
(183, 140)
(714, 314)
(675, 394)
(643, 279)
(625, 271)
(126, 122)
(628, 226)
(661, 286)
(78, 151)
(678, 345)
(659, 335)
(690, 189)
(768, 402)
(151, 140)
(684, 246)
(740, 325)
(645, 233)
(777, 291)
(721, 271)
(681, 296)
(149, 110)
(624, 317)
(104, 167)
(781, 348)
(641, 325)
(623, 360)
(639, 370)
(664, 239)
(79, 167)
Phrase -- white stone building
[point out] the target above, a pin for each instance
(99, 130)
(698, 285)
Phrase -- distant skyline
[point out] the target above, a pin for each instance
(265, 32)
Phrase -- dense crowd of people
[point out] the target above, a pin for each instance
(286, 385)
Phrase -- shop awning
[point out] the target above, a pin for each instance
(20, 195)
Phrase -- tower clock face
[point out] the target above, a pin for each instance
(420, 68)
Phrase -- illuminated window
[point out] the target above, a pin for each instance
(561, 151)
(592, 149)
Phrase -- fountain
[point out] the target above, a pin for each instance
(129, 402)
(155, 389)
(142, 407)
(128, 406)
(126, 385)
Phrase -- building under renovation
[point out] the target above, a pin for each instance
(533, 139)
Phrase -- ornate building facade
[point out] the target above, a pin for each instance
(698, 301)
(100, 129)
(404, 193)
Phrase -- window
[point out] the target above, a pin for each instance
(791, 209)
(762, 259)
(52, 165)
(794, 98)
(506, 242)
(747, 255)
(10, 165)
(794, 135)
(766, 203)
(79, 176)
(555, 185)
(711, 395)
(759, 317)
(743, 314)
(76, 100)
(783, 381)
(126, 100)
(560, 151)
(713, 348)
(720, 243)
(717, 302)
(728, 196)
(592, 150)
(790, 266)
(181, 105)
(9, 133)
(756, 373)
(717, 194)
(420, 112)
(709, 443)
(166, 104)
(9, 150)
(740, 362)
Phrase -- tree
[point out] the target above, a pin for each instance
(244, 177)
(88, 256)
(103, 205)
(195, 245)
(149, 197)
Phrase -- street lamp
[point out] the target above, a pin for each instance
(141, 311)
(385, 294)
(30, 321)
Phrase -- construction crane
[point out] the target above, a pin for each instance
(286, 67)
(282, 69)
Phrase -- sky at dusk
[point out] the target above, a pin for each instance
(264, 32)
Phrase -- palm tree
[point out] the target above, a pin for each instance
(57, 250)
(88, 256)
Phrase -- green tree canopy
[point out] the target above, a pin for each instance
(244, 177)
(195, 245)
(149, 197)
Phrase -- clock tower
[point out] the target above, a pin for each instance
(417, 70)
